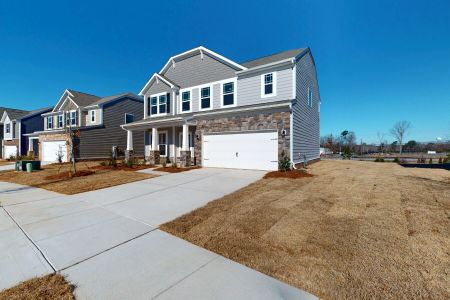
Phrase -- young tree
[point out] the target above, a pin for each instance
(399, 131)
(71, 118)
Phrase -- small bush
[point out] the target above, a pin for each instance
(445, 160)
(440, 160)
(12, 157)
(430, 161)
(174, 165)
(284, 164)
(129, 163)
(396, 160)
(379, 159)
(103, 163)
(163, 163)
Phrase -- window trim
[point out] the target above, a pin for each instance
(274, 85)
(70, 119)
(128, 114)
(309, 98)
(222, 83)
(191, 102)
(93, 116)
(210, 97)
(158, 114)
(50, 122)
(62, 121)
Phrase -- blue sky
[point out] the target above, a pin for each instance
(378, 62)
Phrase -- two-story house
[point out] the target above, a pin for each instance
(93, 121)
(15, 125)
(205, 109)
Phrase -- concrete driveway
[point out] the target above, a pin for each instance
(107, 241)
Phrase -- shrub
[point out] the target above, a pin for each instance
(379, 159)
(163, 163)
(440, 160)
(12, 157)
(445, 160)
(284, 164)
(430, 161)
(103, 163)
(396, 160)
(129, 163)
(346, 154)
(175, 165)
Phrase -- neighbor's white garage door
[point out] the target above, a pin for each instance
(10, 151)
(241, 150)
(50, 151)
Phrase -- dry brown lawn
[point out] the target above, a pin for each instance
(101, 179)
(4, 163)
(50, 287)
(355, 230)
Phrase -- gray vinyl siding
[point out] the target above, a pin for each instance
(306, 119)
(194, 71)
(97, 141)
(30, 125)
(249, 87)
(157, 87)
(1, 140)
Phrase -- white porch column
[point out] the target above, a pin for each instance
(155, 137)
(185, 145)
(129, 140)
(30, 144)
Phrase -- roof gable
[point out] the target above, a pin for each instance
(78, 98)
(13, 114)
(156, 78)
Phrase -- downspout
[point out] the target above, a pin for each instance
(291, 117)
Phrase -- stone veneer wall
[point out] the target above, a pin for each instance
(53, 137)
(245, 122)
(13, 142)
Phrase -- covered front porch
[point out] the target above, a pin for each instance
(170, 141)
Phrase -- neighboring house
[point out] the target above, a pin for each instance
(96, 120)
(10, 139)
(205, 109)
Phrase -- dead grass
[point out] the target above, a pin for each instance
(50, 287)
(4, 163)
(356, 230)
(175, 170)
(50, 178)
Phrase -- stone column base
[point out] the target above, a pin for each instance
(185, 159)
(129, 155)
(154, 158)
(30, 153)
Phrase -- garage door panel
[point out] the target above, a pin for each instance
(50, 151)
(10, 151)
(241, 150)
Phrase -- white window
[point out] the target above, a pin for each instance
(8, 128)
(50, 122)
(158, 104)
(205, 98)
(228, 94)
(310, 98)
(186, 101)
(93, 116)
(269, 85)
(60, 121)
(73, 118)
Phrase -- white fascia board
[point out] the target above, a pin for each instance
(155, 75)
(62, 97)
(151, 122)
(243, 109)
(266, 67)
(205, 50)
(5, 114)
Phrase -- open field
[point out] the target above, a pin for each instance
(47, 178)
(49, 287)
(354, 230)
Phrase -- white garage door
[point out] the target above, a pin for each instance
(241, 150)
(51, 150)
(10, 151)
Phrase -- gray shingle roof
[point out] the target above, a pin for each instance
(13, 114)
(113, 97)
(37, 111)
(272, 58)
(83, 99)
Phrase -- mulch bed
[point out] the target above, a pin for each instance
(293, 174)
(175, 170)
(69, 174)
(123, 167)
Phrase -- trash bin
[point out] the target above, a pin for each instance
(17, 166)
(29, 167)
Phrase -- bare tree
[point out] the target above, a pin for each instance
(381, 141)
(399, 131)
(71, 131)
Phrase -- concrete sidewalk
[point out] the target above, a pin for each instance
(107, 242)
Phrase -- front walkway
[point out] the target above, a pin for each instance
(107, 242)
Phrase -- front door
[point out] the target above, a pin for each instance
(162, 138)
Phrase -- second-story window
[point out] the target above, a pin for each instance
(186, 101)
(228, 94)
(60, 121)
(154, 105)
(50, 122)
(93, 116)
(73, 118)
(162, 104)
(268, 85)
(205, 98)
(8, 128)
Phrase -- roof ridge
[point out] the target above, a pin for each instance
(83, 93)
(276, 53)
